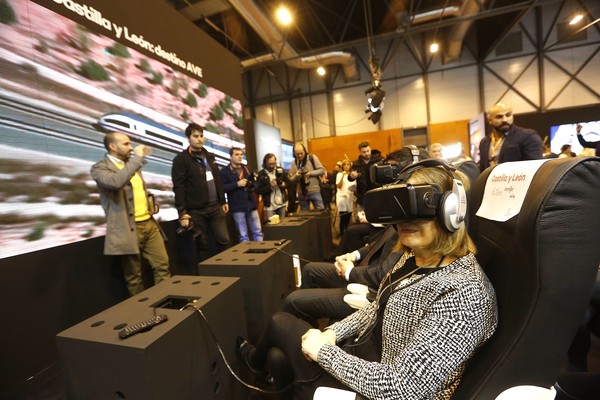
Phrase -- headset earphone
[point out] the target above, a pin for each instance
(452, 204)
(414, 150)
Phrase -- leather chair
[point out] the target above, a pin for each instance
(543, 264)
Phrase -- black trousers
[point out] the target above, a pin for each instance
(280, 350)
(321, 296)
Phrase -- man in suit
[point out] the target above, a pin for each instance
(131, 231)
(507, 142)
(324, 284)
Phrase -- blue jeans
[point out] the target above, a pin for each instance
(248, 219)
(311, 197)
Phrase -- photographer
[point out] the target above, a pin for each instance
(239, 184)
(271, 184)
(306, 171)
(359, 171)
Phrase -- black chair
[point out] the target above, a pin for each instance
(542, 263)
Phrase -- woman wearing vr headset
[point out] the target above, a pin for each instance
(431, 313)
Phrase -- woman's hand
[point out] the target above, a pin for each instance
(313, 340)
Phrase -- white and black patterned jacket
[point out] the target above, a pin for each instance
(430, 328)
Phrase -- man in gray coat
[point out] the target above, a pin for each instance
(131, 232)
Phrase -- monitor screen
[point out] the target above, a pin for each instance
(567, 134)
(476, 133)
(287, 152)
(63, 87)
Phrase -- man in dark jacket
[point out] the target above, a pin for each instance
(324, 284)
(585, 143)
(272, 184)
(360, 171)
(507, 142)
(199, 195)
(239, 184)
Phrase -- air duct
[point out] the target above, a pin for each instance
(456, 34)
(281, 47)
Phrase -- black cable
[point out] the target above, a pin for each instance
(232, 372)
(292, 255)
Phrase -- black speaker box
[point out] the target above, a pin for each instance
(176, 359)
(267, 277)
(323, 221)
(302, 231)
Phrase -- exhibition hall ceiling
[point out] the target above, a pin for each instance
(249, 29)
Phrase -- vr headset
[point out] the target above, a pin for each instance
(400, 202)
(395, 203)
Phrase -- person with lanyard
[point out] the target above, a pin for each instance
(507, 142)
(305, 172)
(359, 171)
(432, 311)
(271, 184)
(199, 196)
(131, 231)
(239, 184)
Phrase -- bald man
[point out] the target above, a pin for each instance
(507, 142)
(131, 231)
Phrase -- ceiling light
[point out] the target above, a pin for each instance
(576, 19)
(284, 16)
(434, 47)
(321, 71)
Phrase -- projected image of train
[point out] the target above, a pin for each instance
(154, 134)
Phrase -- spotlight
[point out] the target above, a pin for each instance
(434, 47)
(375, 102)
(321, 71)
(375, 116)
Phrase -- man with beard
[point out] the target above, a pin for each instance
(131, 231)
(199, 195)
(507, 142)
(306, 172)
(360, 171)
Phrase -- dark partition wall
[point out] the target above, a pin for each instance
(69, 72)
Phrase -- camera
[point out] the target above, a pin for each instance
(250, 182)
(181, 230)
(384, 173)
(279, 175)
(305, 176)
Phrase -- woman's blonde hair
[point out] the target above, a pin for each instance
(457, 243)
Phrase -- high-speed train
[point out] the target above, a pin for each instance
(152, 133)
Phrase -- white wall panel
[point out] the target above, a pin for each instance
(572, 59)
(349, 105)
(510, 71)
(572, 96)
(316, 117)
(554, 80)
(453, 94)
(277, 115)
(409, 104)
